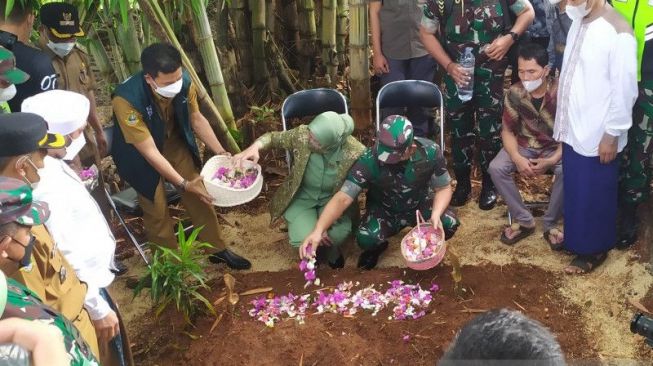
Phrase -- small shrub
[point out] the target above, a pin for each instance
(177, 277)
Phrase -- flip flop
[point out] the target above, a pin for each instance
(549, 234)
(523, 233)
(586, 263)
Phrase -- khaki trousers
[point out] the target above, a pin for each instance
(159, 226)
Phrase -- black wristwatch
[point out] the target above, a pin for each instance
(515, 36)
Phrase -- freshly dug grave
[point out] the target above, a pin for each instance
(363, 339)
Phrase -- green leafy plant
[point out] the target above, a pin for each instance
(261, 113)
(177, 277)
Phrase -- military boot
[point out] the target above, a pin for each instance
(628, 226)
(463, 187)
(488, 197)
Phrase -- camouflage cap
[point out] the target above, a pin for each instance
(393, 138)
(16, 204)
(9, 73)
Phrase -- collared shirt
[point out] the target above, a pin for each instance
(131, 122)
(80, 230)
(399, 187)
(598, 83)
(532, 126)
(73, 71)
(400, 29)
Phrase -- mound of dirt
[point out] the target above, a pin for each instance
(362, 340)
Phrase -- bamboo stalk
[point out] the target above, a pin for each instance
(270, 18)
(119, 64)
(280, 66)
(291, 38)
(308, 36)
(100, 56)
(257, 7)
(131, 47)
(157, 19)
(329, 55)
(341, 30)
(237, 12)
(212, 65)
(359, 64)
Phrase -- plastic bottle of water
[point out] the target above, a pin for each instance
(467, 61)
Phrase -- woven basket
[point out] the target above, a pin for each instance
(438, 255)
(226, 196)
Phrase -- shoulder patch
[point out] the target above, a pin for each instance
(132, 120)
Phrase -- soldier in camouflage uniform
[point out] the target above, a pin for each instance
(402, 173)
(17, 214)
(635, 172)
(478, 24)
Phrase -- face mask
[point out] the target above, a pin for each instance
(554, 2)
(7, 93)
(531, 85)
(577, 12)
(34, 185)
(75, 147)
(27, 258)
(61, 49)
(169, 91)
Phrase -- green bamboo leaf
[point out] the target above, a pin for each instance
(9, 7)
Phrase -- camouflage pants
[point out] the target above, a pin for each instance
(378, 224)
(635, 172)
(484, 111)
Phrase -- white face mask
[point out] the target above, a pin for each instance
(169, 91)
(75, 147)
(34, 185)
(577, 12)
(7, 93)
(554, 2)
(531, 85)
(61, 49)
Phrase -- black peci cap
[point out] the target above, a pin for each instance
(61, 19)
(23, 133)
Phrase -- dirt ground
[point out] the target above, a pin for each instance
(589, 314)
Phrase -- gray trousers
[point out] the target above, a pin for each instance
(501, 169)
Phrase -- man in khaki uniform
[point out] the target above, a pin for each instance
(59, 31)
(47, 274)
(156, 119)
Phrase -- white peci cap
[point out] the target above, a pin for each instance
(64, 111)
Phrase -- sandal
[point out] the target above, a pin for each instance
(586, 263)
(523, 232)
(553, 233)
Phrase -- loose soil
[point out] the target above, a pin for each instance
(362, 340)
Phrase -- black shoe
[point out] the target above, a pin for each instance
(339, 263)
(628, 227)
(369, 258)
(463, 187)
(488, 198)
(322, 254)
(230, 258)
(120, 269)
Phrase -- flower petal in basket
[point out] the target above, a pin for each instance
(224, 195)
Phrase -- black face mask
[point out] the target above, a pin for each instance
(27, 258)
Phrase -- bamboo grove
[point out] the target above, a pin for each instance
(239, 52)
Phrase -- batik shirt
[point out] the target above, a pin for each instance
(23, 303)
(399, 187)
(532, 126)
